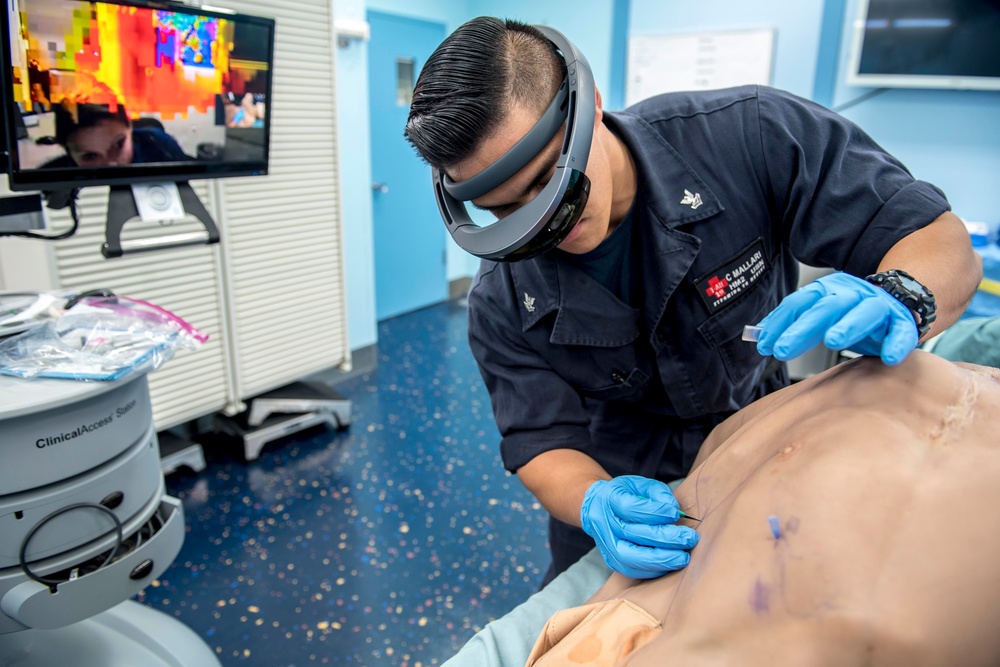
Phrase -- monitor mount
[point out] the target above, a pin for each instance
(155, 202)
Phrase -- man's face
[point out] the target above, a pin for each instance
(106, 144)
(522, 187)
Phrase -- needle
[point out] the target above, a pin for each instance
(688, 516)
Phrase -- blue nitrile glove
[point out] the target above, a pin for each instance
(844, 312)
(632, 520)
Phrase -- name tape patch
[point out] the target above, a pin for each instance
(725, 284)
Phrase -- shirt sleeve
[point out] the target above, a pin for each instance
(843, 201)
(535, 409)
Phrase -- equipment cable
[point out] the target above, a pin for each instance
(22, 555)
(859, 99)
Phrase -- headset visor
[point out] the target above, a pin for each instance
(536, 227)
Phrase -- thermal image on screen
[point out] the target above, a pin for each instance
(190, 73)
(150, 60)
(188, 39)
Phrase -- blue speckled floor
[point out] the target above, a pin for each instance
(390, 543)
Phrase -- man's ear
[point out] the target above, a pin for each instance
(598, 111)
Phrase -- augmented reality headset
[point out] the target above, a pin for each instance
(546, 220)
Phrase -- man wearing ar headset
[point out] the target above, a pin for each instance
(631, 249)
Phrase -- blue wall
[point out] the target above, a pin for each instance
(355, 181)
(950, 138)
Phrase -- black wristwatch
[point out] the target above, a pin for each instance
(909, 292)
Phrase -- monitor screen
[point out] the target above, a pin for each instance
(98, 93)
(927, 44)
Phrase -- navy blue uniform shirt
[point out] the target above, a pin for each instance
(150, 144)
(735, 187)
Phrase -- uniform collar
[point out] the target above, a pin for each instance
(588, 314)
(678, 195)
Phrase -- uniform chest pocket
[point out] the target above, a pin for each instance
(724, 330)
(603, 373)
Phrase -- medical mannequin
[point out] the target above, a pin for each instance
(851, 519)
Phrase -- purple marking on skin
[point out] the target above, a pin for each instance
(760, 597)
(775, 524)
(792, 525)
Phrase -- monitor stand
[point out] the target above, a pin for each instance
(126, 635)
(155, 202)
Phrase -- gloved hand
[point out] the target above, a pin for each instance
(631, 518)
(844, 312)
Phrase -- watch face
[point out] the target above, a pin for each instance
(911, 284)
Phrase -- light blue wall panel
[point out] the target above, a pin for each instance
(452, 13)
(355, 181)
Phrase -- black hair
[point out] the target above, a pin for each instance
(472, 80)
(69, 119)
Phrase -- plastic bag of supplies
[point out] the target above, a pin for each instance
(99, 338)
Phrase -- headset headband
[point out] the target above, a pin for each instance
(543, 222)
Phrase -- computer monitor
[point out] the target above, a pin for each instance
(127, 91)
(926, 44)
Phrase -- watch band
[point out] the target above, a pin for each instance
(911, 293)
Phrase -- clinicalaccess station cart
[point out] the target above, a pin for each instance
(85, 524)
